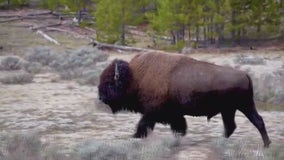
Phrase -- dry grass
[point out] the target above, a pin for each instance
(12, 71)
(28, 146)
(84, 64)
(244, 150)
(15, 77)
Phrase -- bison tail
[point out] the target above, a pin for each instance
(249, 99)
(250, 87)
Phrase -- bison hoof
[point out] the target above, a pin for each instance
(179, 133)
(266, 145)
(137, 135)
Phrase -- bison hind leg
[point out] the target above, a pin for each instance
(178, 125)
(228, 118)
(257, 121)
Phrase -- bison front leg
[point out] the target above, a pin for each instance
(178, 125)
(145, 124)
(229, 122)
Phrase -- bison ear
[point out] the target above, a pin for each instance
(116, 73)
(121, 74)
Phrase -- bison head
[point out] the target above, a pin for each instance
(114, 82)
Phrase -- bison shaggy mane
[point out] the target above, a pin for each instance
(166, 87)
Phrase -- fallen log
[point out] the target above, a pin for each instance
(47, 37)
(21, 26)
(11, 20)
(76, 35)
(104, 46)
(40, 13)
(9, 16)
(27, 15)
(91, 29)
(45, 26)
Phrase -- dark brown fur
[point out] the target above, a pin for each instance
(166, 87)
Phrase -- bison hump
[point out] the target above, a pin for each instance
(151, 73)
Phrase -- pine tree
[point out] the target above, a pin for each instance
(51, 4)
(15, 3)
(79, 6)
(112, 18)
(170, 19)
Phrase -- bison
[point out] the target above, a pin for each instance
(166, 87)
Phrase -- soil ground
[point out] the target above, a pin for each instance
(66, 113)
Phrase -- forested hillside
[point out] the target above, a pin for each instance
(193, 23)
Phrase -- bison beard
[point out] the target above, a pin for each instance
(164, 88)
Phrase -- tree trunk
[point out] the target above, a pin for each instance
(211, 30)
(197, 33)
(238, 38)
(208, 32)
(233, 33)
(181, 33)
(122, 35)
(79, 17)
(204, 33)
(189, 36)
(219, 30)
(173, 42)
(258, 29)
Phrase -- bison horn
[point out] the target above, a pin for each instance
(116, 73)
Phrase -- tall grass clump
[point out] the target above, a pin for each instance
(42, 55)
(245, 150)
(81, 63)
(128, 149)
(11, 63)
(12, 71)
(28, 146)
(16, 77)
(21, 147)
(249, 60)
